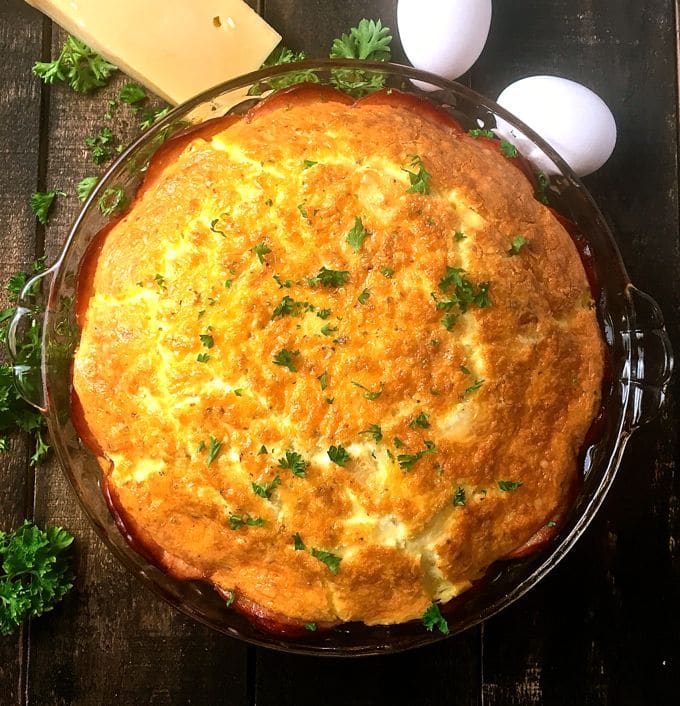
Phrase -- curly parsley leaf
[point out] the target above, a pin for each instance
(213, 449)
(357, 235)
(101, 146)
(36, 572)
(407, 461)
(518, 242)
(236, 521)
(508, 149)
(368, 40)
(329, 278)
(375, 431)
(509, 485)
(298, 544)
(85, 186)
(339, 455)
(420, 180)
(293, 462)
(79, 66)
(284, 358)
(112, 201)
(41, 203)
(261, 249)
(478, 132)
(132, 93)
(280, 56)
(310, 626)
(432, 618)
(266, 489)
(461, 292)
(422, 421)
(332, 561)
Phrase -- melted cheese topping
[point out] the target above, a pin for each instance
(177, 375)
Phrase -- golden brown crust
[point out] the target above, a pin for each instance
(159, 285)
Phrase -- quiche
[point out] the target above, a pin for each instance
(336, 359)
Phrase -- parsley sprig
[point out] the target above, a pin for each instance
(36, 572)
(78, 66)
(460, 292)
(339, 455)
(329, 278)
(265, 490)
(294, 462)
(432, 618)
(407, 461)
(285, 359)
(420, 180)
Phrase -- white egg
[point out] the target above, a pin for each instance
(443, 36)
(571, 118)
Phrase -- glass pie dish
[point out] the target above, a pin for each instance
(638, 353)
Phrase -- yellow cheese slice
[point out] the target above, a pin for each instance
(176, 48)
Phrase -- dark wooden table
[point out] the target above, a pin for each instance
(603, 628)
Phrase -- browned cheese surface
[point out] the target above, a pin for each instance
(507, 394)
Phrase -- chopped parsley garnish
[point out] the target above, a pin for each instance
(327, 330)
(298, 543)
(113, 200)
(203, 357)
(387, 272)
(293, 462)
(303, 210)
(364, 297)
(213, 449)
(518, 242)
(459, 497)
(101, 146)
(283, 283)
(339, 456)
(284, 358)
(329, 559)
(232, 597)
(329, 278)
(323, 313)
(508, 149)
(464, 370)
(473, 388)
(236, 522)
(261, 249)
(541, 193)
(41, 203)
(262, 451)
(398, 443)
(369, 394)
(201, 313)
(552, 523)
(200, 447)
(238, 391)
(289, 307)
(132, 93)
(459, 235)
(357, 235)
(407, 461)
(265, 490)
(420, 180)
(85, 186)
(460, 293)
(310, 626)
(207, 340)
(509, 485)
(477, 132)
(375, 431)
(309, 163)
(228, 283)
(160, 281)
(213, 223)
(79, 66)
(323, 380)
(422, 421)
(432, 618)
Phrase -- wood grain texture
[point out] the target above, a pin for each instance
(20, 45)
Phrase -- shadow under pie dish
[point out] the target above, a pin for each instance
(349, 362)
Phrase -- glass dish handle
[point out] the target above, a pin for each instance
(24, 340)
(651, 358)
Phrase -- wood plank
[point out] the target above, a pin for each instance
(20, 45)
(111, 641)
(602, 629)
